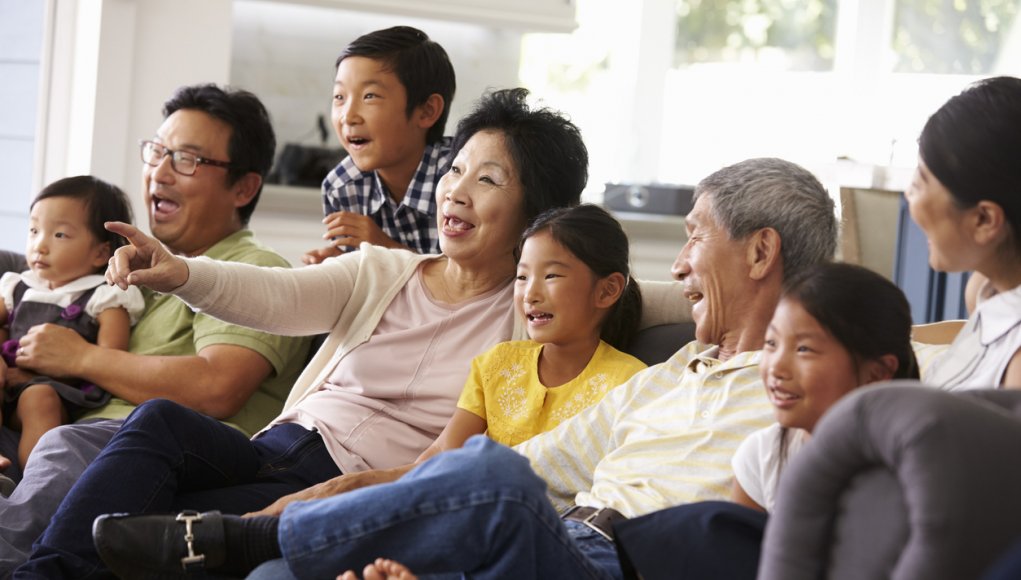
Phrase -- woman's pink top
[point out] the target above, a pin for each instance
(393, 395)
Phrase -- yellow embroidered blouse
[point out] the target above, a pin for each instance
(504, 389)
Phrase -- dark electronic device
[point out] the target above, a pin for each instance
(653, 199)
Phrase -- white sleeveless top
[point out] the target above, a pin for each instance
(979, 355)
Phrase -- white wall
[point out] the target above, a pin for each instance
(106, 68)
(21, 35)
(128, 57)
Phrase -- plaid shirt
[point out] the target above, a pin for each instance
(411, 222)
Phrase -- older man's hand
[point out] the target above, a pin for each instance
(318, 491)
(335, 486)
(145, 262)
(51, 350)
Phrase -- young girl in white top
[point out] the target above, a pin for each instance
(966, 197)
(836, 327)
(67, 252)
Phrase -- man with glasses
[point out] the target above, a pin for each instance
(202, 173)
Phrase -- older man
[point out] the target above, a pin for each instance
(663, 438)
(202, 175)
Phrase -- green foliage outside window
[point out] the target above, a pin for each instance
(802, 31)
(951, 36)
(930, 36)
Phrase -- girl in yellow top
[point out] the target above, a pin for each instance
(579, 303)
(574, 291)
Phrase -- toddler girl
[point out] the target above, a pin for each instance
(67, 252)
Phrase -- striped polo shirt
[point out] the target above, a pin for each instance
(665, 437)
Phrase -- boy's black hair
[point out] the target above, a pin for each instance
(547, 148)
(252, 140)
(421, 65)
(104, 202)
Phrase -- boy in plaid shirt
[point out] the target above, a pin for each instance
(391, 100)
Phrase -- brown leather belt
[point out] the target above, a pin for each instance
(600, 520)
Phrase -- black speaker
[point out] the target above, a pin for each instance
(654, 199)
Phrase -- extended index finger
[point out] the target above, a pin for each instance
(130, 232)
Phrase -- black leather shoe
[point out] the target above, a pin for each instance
(160, 546)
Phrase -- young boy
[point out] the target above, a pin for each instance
(391, 99)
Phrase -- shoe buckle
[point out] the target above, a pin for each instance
(192, 560)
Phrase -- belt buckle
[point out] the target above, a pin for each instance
(589, 522)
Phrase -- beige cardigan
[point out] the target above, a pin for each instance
(345, 296)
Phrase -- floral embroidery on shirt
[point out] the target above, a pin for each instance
(514, 398)
(595, 387)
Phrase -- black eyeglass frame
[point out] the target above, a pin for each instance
(175, 157)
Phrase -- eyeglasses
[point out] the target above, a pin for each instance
(181, 161)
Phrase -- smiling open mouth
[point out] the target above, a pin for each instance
(163, 206)
(453, 224)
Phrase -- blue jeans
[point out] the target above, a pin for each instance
(479, 510)
(167, 458)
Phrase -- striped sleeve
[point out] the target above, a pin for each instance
(567, 456)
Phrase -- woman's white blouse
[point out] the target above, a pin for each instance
(979, 355)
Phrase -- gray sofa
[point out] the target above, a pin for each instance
(12, 262)
(901, 482)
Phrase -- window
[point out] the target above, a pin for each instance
(784, 34)
(670, 90)
(952, 37)
(21, 28)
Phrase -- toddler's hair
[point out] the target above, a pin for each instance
(596, 238)
(104, 202)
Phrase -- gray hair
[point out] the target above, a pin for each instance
(778, 194)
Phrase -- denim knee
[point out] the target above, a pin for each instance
(156, 422)
(159, 409)
(487, 463)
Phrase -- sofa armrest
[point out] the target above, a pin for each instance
(952, 458)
